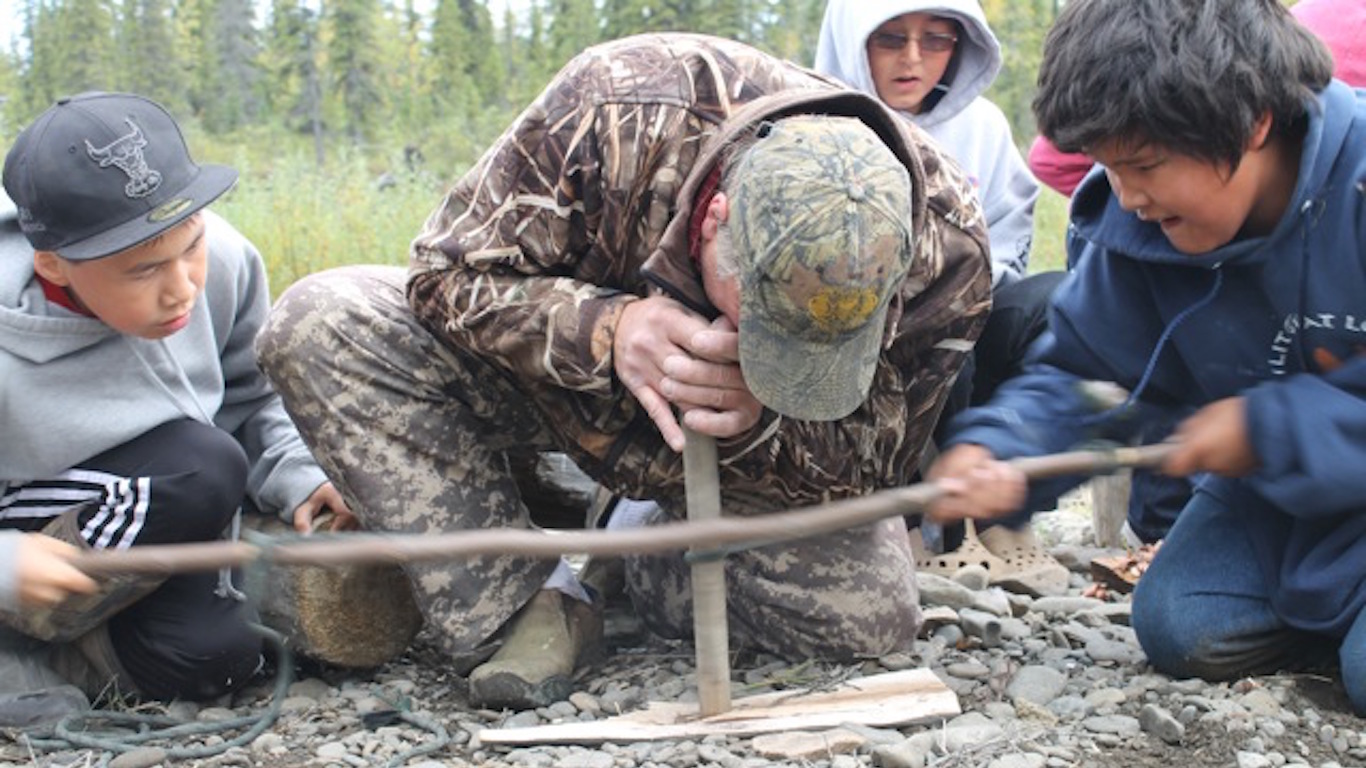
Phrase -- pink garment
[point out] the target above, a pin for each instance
(1062, 171)
(1341, 24)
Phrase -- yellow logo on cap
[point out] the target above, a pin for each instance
(837, 309)
(169, 208)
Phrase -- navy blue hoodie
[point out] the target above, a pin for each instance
(1280, 320)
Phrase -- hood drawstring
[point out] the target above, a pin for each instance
(1310, 212)
(1151, 367)
(225, 586)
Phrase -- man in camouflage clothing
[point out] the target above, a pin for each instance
(579, 290)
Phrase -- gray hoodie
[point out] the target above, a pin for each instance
(73, 387)
(973, 130)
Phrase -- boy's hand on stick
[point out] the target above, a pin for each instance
(1214, 439)
(975, 485)
(46, 575)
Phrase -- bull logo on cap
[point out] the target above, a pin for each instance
(126, 153)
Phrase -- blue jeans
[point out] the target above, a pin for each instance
(1203, 608)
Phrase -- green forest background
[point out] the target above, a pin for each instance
(348, 118)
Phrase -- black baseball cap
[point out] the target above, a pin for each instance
(98, 173)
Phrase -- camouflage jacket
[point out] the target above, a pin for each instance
(582, 206)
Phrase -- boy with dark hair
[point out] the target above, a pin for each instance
(134, 410)
(1221, 265)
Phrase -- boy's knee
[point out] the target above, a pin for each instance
(1354, 682)
(189, 478)
(1162, 632)
(1168, 644)
(215, 488)
(221, 451)
(1180, 643)
(1352, 660)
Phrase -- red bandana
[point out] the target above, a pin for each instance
(699, 211)
(61, 296)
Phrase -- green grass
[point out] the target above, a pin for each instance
(306, 216)
(1050, 229)
(305, 219)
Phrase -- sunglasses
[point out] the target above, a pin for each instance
(931, 42)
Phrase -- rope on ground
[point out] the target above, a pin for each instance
(436, 729)
(73, 731)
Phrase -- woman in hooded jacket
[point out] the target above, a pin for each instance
(932, 61)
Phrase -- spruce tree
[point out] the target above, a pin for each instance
(352, 64)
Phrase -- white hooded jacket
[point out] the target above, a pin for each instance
(973, 130)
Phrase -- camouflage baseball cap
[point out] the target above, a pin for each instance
(820, 223)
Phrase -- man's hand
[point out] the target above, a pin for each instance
(46, 575)
(670, 357)
(325, 498)
(1214, 439)
(975, 485)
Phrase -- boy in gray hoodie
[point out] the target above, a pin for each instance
(135, 411)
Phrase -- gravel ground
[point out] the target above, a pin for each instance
(1044, 683)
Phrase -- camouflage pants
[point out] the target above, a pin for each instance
(416, 437)
(840, 596)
